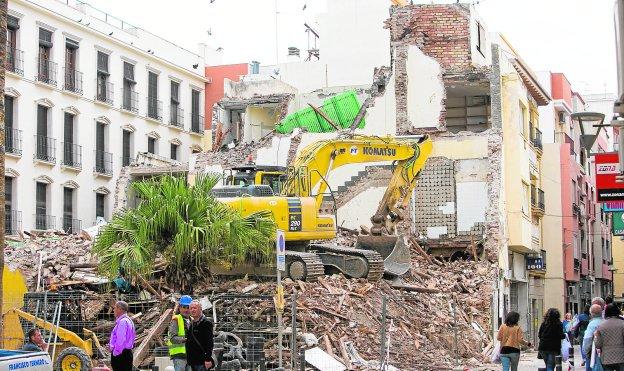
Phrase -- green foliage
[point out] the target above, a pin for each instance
(185, 226)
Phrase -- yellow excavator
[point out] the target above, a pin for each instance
(298, 208)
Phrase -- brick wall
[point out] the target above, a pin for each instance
(440, 31)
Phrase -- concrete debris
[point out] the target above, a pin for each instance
(57, 251)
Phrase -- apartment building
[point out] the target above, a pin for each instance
(581, 254)
(85, 92)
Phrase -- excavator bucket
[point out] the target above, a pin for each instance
(393, 249)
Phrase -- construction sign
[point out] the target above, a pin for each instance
(618, 223)
(607, 168)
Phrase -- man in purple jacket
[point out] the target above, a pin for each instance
(122, 339)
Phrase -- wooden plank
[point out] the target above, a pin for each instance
(330, 312)
(148, 286)
(142, 350)
(416, 289)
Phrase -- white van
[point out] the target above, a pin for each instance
(14, 360)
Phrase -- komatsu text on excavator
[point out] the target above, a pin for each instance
(298, 200)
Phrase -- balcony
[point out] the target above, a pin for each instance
(103, 163)
(45, 149)
(176, 116)
(72, 80)
(104, 92)
(13, 142)
(577, 264)
(71, 225)
(127, 161)
(576, 210)
(72, 155)
(12, 222)
(15, 61)
(197, 123)
(536, 140)
(154, 109)
(537, 201)
(43, 221)
(130, 101)
(46, 72)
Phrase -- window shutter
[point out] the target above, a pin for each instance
(175, 92)
(102, 63)
(71, 44)
(12, 23)
(195, 103)
(129, 72)
(152, 88)
(8, 112)
(45, 38)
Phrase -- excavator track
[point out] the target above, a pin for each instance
(373, 259)
(304, 266)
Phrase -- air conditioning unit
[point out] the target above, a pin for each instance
(571, 290)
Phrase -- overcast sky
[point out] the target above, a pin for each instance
(575, 37)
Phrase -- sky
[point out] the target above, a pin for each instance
(575, 37)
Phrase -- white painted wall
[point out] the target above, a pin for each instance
(63, 23)
(472, 202)
(276, 154)
(359, 209)
(425, 89)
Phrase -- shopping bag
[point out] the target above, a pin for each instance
(495, 358)
(565, 349)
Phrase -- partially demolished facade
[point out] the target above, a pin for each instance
(451, 79)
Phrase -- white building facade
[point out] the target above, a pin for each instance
(85, 92)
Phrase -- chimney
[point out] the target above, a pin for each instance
(293, 54)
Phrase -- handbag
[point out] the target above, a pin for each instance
(565, 348)
(495, 358)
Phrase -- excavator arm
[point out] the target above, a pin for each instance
(311, 169)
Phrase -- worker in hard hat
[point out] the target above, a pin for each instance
(177, 334)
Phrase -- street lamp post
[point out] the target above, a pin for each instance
(590, 123)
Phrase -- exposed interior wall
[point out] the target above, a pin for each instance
(425, 89)
(360, 208)
(260, 121)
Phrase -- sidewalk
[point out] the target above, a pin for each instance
(529, 361)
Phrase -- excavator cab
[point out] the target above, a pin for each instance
(251, 174)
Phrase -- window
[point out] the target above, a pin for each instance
(522, 121)
(12, 137)
(104, 87)
(151, 145)
(73, 78)
(196, 119)
(126, 154)
(44, 144)
(10, 220)
(574, 192)
(68, 210)
(176, 112)
(72, 153)
(14, 56)
(152, 96)
(526, 198)
(41, 217)
(103, 159)
(100, 199)
(174, 151)
(46, 68)
(130, 97)
(480, 39)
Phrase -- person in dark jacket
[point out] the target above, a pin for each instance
(610, 339)
(550, 336)
(579, 330)
(199, 341)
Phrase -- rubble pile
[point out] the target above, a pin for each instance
(59, 251)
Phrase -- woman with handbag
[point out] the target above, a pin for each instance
(510, 337)
(550, 336)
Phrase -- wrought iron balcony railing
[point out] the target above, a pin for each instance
(104, 92)
(15, 61)
(45, 148)
(130, 100)
(13, 141)
(12, 222)
(46, 72)
(154, 109)
(176, 116)
(44, 221)
(71, 225)
(103, 163)
(73, 80)
(197, 123)
(72, 155)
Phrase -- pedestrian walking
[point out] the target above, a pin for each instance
(199, 341)
(550, 335)
(122, 338)
(610, 339)
(567, 322)
(35, 342)
(178, 328)
(595, 313)
(510, 337)
(578, 331)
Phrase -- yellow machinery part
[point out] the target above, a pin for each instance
(14, 288)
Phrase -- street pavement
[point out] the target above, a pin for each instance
(529, 361)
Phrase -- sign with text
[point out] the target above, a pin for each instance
(535, 264)
(607, 167)
(280, 245)
(618, 223)
(612, 206)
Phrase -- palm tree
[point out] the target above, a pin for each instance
(3, 40)
(185, 226)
